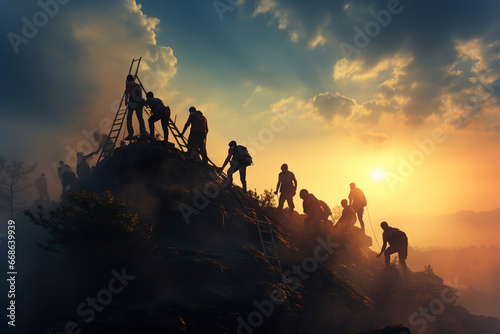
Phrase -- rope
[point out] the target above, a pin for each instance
(370, 219)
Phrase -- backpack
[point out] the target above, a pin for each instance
(325, 207)
(242, 156)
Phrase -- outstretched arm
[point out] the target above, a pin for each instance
(186, 125)
(384, 246)
(229, 155)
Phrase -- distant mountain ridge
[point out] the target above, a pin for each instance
(459, 229)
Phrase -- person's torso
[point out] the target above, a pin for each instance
(357, 197)
(134, 91)
(197, 122)
(155, 104)
(394, 235)
(311, 203)
(286, 180)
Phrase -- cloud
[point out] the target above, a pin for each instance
(422, 56)
(73, 71)
(256, 91)
(332, 105)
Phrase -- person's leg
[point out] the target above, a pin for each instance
(142, 127)
(130, 127)
(230, 172)
(403, 254)
(281, 201)
(151, 121)
(191, 139)
(360, 218)
(243, 177)
(388, 252)
(164, 125)
(203, 149)
(405, 268)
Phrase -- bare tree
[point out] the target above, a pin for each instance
(13, 175)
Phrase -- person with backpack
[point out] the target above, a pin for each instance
(239, 160)
(398, 243)
(326, 211)
(197, 140)
(357, 201)
(312, 208)
(134, 102)
(288, 183)
(158, 112)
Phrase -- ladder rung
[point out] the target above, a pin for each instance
(268, 242)
(272, 257)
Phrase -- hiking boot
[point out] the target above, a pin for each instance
(129, 137)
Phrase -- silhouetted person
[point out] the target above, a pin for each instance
(357, 201)
(287, 185)
(236, 163)
(312, 208)
(398, 242)
(67, 177)
(197, 140)
(134, 102)
(348, 217)
(326, 211)
(83, 169)
(158, 112)
(41, 187)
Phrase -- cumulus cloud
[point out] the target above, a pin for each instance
(424, 55)
(74, 69)
(330, 105)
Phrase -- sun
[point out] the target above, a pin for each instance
(378, 174)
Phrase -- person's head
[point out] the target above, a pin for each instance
(352, 185)
(192, 109)
(130, 78)
(43, 174)
(343, 203)
(61, 163)
(284, 167)
(149, 95)
(384, 225)
(303, 193)
(97, 135)
(80, 154)
(232, 143)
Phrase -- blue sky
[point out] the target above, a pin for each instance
(424, 66)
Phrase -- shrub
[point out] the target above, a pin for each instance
(90, 220)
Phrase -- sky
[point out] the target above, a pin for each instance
(400, 97)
